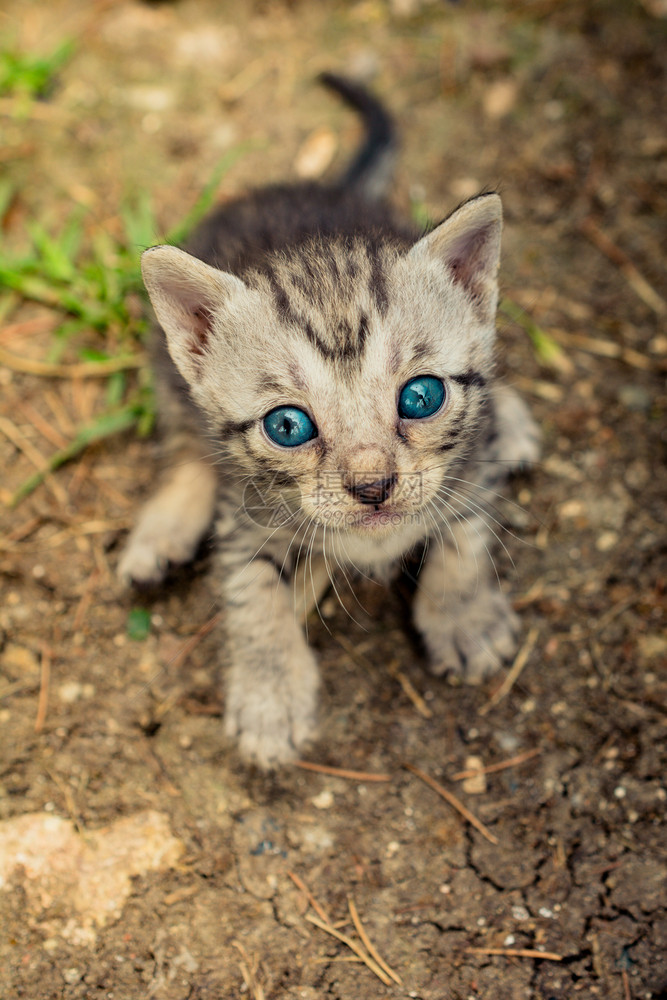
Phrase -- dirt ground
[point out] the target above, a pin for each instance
(159, 863)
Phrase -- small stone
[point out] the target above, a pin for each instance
(324, 800)
(19, 660)
(572, 508)
(476, 783)
(500, 99)
(658, 345)
(507, 740)
(606, 541)
(72, 691)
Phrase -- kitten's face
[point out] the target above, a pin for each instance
(350, 377)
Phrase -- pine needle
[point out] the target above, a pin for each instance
(453, 801)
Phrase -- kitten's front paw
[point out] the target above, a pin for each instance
(151, 549)
(270, 718)
(171, 525)
(472, 639)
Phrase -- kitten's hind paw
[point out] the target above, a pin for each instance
(474, 639)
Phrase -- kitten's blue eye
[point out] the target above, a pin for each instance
(289, 426)
(421, 397)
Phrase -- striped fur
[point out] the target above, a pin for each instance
(317, 297)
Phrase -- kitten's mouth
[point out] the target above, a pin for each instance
(378, 517)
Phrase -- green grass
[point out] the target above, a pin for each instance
(547, 351)
(92, 281)
(24, 75)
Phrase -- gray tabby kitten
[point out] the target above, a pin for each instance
(324, 376)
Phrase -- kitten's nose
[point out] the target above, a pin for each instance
(373, 492)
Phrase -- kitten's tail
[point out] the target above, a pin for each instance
(372, 168)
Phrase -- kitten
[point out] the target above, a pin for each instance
(325, 384)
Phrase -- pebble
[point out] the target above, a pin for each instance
(606, 541)
(324, 800)
(500, 99)
(72, 691)
(19, 660)
(476, 783)
(572, 508)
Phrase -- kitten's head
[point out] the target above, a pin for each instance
(352, 368)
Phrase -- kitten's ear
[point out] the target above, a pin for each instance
(468, 244)
(186, 295)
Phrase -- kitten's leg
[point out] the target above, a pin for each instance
(272, 679)
(172, 523)
(467, 623)
(517, 440)
(311, 581)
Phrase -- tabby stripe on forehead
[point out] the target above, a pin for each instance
(281, 299)
(469, 379)
(348, 349)
(362, 334)
(377, 283)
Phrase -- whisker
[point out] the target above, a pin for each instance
(333, 583)
(479, 515)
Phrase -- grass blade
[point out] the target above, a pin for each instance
(548, 352)
(207, 196)
(108, 424)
